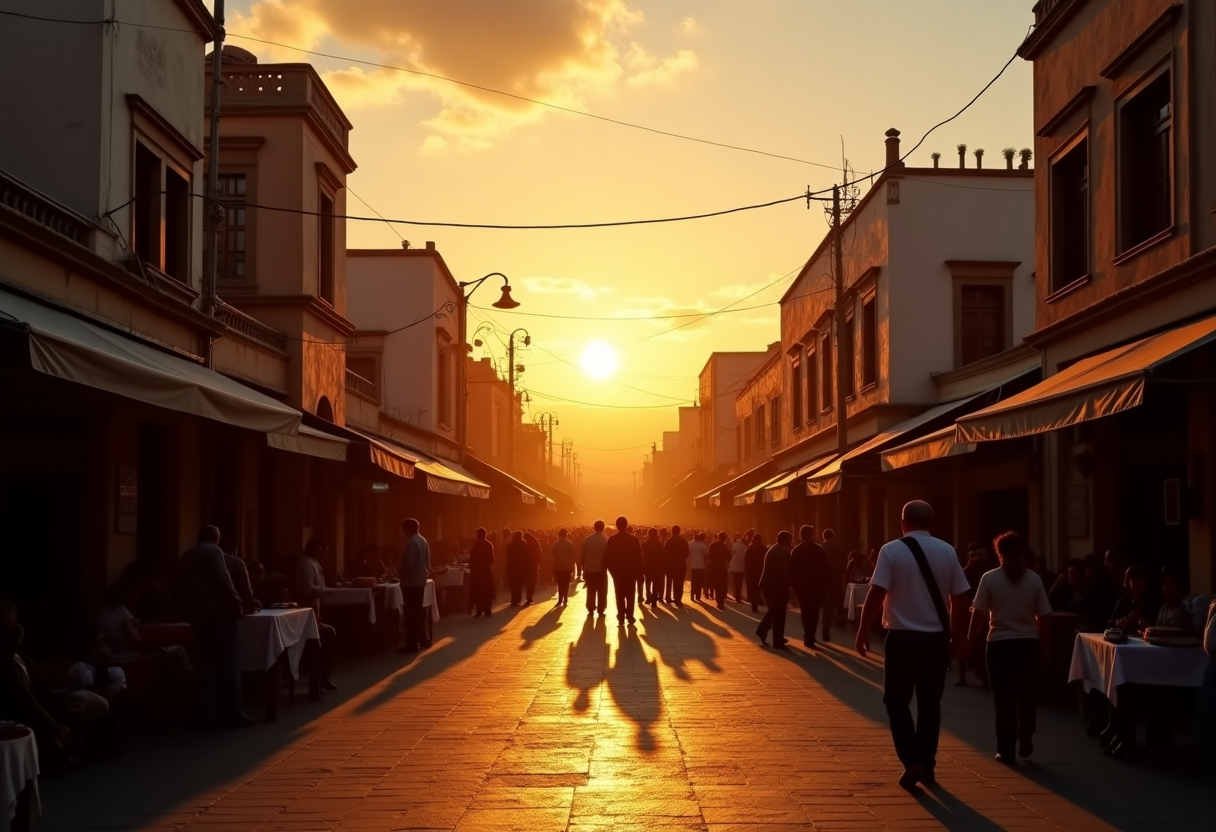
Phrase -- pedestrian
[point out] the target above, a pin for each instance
(534, 563)
(213, 608)
(310, 592)
(753, 566)
(594, 574)
(1011, 606)
(833, 598)
(652, 561)
(810, 576)
(677, 551)
(775, 584)
(718, 561)
(623, 560)
(563, 565)
(1205, 710)
(912, 578)
(737, 570)
(414, 571)
(519, 567)
(697, 550)
(481, 575)
(641, 574)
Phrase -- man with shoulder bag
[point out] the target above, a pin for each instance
(913, 577)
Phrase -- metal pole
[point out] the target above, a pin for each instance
(213, 209)
(843, 362)
(511, 383)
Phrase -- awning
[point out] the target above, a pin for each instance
(449, 478)
(779, 489)
(828, 479)
(527, 495)
(937, 445)
(69, 348)
(389, 456)
(311, 442)
(761, 472)
(1094, 387)
(750, 495)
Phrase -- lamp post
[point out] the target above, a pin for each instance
(547, 421)
(505, 301)
(511, 370)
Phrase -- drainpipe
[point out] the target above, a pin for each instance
(212, 208)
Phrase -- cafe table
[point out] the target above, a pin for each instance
(854, 598)
(350, 596)
(20, 806)
(1099, 665)
(272, 637)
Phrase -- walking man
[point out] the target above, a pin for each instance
(519, 567)
(775, 584)
(623, 559)
(563, 565)
(833, 596)
(717, 561)
(753, 566)
(913, 577)
(738, 551)
(414, 572)
(652, 557)
(594, 575)
(809, 575)
(677, 563)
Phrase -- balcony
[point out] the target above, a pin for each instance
(251, 328)
(44, 210)
(361, 387)
(282, 88)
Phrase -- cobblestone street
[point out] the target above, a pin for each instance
(545, 719)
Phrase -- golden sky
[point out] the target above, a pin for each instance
(791, 77)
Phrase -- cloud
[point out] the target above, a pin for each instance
(563, 286)
(689, 26)
(560, 51)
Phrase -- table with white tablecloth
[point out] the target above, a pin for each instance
(854, 598)
(342, 596)
(19, 799)
(269, 633)
(1102, 666)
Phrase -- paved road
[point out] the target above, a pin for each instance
(544, 719)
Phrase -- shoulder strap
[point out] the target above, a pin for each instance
(935, 592)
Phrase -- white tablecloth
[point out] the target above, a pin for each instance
(429, 600)
(349, 596)
(854, 597)
(453, 577)
(392, 596)
(18, 769)
(1103, 666)
(267, 634)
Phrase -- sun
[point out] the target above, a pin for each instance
(599, 360)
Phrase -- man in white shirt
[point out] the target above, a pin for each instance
(595, 574)
(696, 565)
(922, 636)
(738, 551)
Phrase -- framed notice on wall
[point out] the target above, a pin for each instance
(1076, 510)
(126, 506)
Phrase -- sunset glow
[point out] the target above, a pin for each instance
(599, 360)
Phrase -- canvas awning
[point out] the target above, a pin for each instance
(750, 496)
(388, 456)
(761, 472)
(937, 445)
(527, 495)
(778, 489)
(67, 347)
(449, 478)
(310, 442)
(1094, 387)
(828, 479)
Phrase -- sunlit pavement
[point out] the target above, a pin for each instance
(545, 719)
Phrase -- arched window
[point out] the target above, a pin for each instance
(324, 409)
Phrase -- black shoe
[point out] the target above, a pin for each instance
(1025, 746)
(1006, 759)
(809, 643)
(782, 646)
(721, 606)
(763, 636)
(827, 638)
(911, 776)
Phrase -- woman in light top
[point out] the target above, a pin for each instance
(1011, 605)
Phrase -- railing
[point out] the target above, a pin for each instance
(290, 86)
(251, 328)
(360, 386)
(44, 210)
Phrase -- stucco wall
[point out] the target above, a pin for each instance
(759, 392)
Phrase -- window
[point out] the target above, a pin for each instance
(325, 255)
(747, 437)
(233, 241)
(869, 342)
(847, 351)
(827, 395)
(1070, 216)
(444, 387)
(981, 322)
(365, 367)
(759, 424)
(1145, 188)
(161, 227)
(774, 409)
(740, 448)
(796, 396)
(812, 387)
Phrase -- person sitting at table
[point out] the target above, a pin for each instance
(239, 572)
(1173, 612)
(1068, 591)
(259, 584)
(481, 575)
(121, 631)
(59, 720)
(309, 590)
(1138, 607)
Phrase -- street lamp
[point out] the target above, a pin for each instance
(505, 301)
(511, 370)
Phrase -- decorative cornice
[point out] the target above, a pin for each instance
(1073, 104)
(136, 102)
(315, 305)
(1050, 16)
(1142, 41)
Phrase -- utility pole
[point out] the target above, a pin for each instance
(547, 421)
(511, 370)
(844, 363)
(214, 210)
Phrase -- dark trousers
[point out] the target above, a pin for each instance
(675, 584)
(775, 600)
(625, 589)
(915, 663)
(753, 591)
(808, 611)
(654, 587)
(219, 671)
(719, 581)
(597, 591)
(521, 587)
(411, 615)
(329, 644)
(698, 584)
(1012, 672)
(562, 579)
(736, 583)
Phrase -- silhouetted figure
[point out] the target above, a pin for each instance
(563, 565)
(623, 559)
(717, 562)
(414, 571)
(519, 565)
(481, 575)
(811, 577)
(753, 567)
(677, 563)
(594, 574)
(656, 569)
(775, 584)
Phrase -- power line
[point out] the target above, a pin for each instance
(552, 397)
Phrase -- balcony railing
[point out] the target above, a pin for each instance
(44, 210)
(292, 87)
(251, 328)
(361, 387)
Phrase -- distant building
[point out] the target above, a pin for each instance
(721, 378)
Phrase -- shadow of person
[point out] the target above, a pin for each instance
(952, 813)
(541, 627)
(696, 644)
(633, 682)
(585, 661)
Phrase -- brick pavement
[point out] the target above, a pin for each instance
(542, 719)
